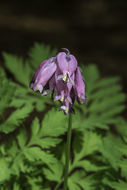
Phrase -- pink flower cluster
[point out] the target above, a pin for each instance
(61, 76)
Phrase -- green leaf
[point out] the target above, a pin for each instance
(54, 172)
(7, 92)
(22, 138)
(38, 138)
(88, 166)
(4, 170)
(35, 183)
(32, 152)
(123, 166)
(54, 124)
(35, 153)
(104, 103)
(108, 82)
(16, 118)
(121, 126)
(121, 185)
(78, 181)
(113, 149)
(16, 187)
(35, 127)
(91, 143)
(31, 149)
(20, 70)
(40, 52)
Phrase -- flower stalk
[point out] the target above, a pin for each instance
(68, 146)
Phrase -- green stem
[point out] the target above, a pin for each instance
(67, 151)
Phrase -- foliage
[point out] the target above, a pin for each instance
(33, 131)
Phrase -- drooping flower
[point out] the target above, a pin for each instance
(61, 76)
(43, 74)
(67, 65)
(79, 87)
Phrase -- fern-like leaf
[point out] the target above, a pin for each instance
(4, 170)
(40, 52)
(16, 118)
(20, 70)
(105, 101)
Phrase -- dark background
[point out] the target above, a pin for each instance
(93, 30)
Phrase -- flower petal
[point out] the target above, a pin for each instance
(36, 73)
(79, 87)
(67, 63)
(72, 65)
(62, 62)
(45, 74)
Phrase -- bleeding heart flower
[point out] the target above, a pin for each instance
(61, 76)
